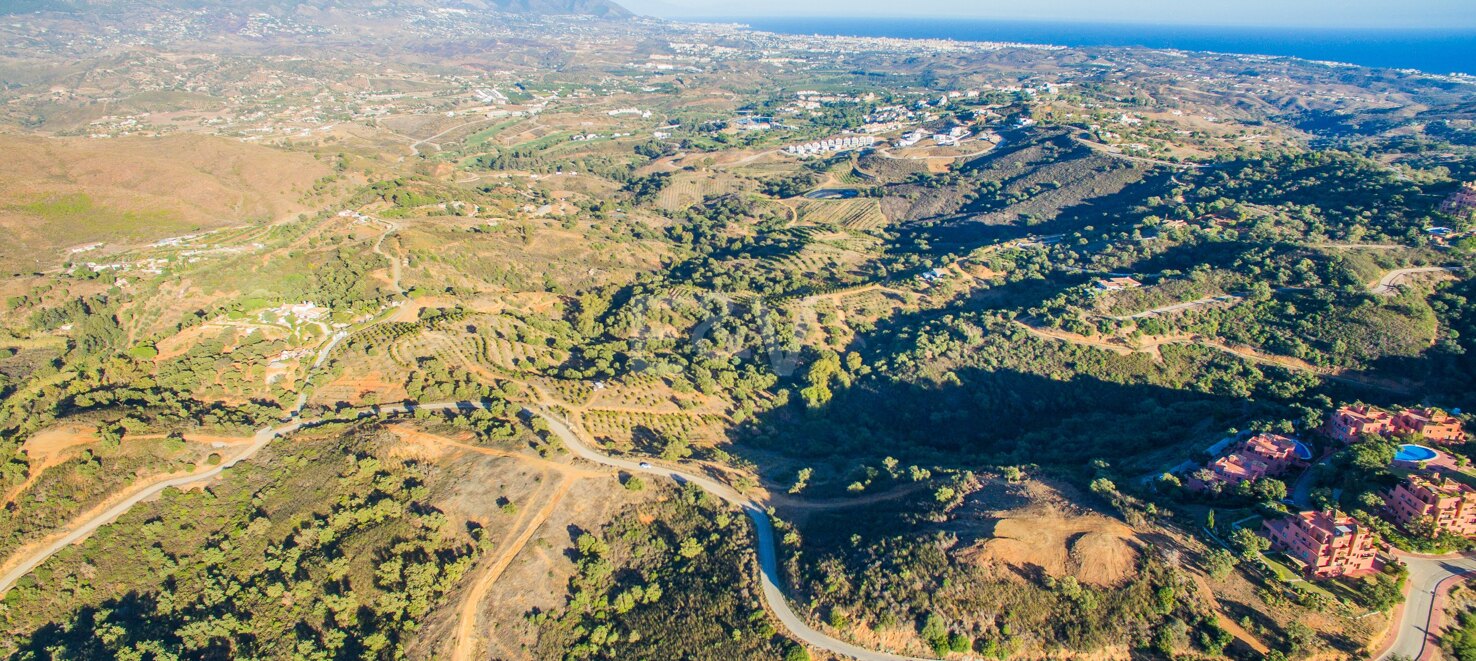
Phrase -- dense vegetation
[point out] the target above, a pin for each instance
(327, 552)
(678, 582)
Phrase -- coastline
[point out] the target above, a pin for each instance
(1430, 51)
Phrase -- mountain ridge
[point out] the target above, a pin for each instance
(596, 8)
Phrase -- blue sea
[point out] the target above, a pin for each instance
(1433, 51)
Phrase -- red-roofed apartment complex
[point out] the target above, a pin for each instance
(1351, 422)
(1260, 456)
(1328, 544)
(1229, 470)
(1434, 424)
(1450, 505)
(1461, 201)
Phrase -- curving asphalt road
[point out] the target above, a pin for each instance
(764, 529)
(1387, 284)
(1418, 633)
(260, 440)
(1428, 576)
(768, 557)
(82, 532)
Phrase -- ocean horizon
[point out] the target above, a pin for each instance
(1434, 51)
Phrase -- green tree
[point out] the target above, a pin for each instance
(1249, 544)
(1219, 563)
(935, 633)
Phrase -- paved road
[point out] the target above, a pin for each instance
(768, 557)
(1302, 492)
(1427, 576)
(415, 147)
(1387, 284)
(304, 391)
(82, 532)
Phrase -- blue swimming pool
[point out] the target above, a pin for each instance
(1303, 452)
(1415, 453)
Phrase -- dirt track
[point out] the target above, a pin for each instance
(466, 624)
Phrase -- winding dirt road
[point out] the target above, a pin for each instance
(763, 527)
(395, 263)
(466, 624)
(1224, 299)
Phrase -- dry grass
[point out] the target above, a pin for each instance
(56, 193)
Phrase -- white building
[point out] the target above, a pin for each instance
(831, 145)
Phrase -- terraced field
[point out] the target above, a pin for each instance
(363, 384)
(862, 215)
(498, 344)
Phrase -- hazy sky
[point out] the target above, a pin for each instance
(1324, 13)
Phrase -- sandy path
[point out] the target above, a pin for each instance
(1225, 299)
(1247, 353)
(1224, 620)
(466, 627)
(48, 449)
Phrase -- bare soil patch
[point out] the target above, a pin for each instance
(1039, 531)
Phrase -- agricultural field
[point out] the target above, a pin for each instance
(856, 215)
